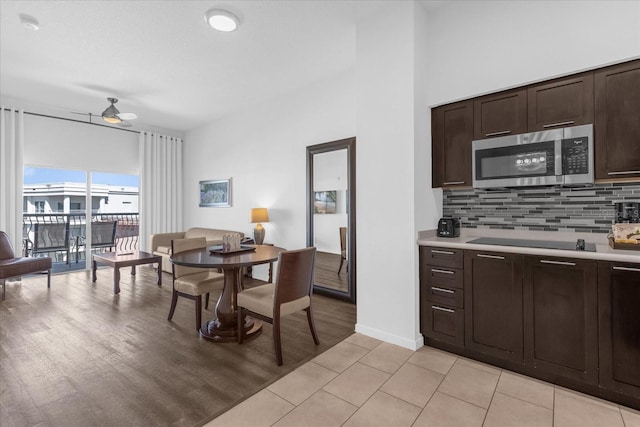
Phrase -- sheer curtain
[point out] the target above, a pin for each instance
(160, 185)
(11, 174)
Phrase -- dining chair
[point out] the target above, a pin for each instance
(343, 247)
(192, 282)
(290, 293)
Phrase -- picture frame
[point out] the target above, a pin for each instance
(215, 193)
(325, 202)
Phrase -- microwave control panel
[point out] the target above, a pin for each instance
(575, 156)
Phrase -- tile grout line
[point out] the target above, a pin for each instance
(492, 396)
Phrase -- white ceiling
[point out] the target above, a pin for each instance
(164, 62)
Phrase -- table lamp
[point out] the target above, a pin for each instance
(259, 215)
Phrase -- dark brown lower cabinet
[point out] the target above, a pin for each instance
(493, 304)
(442, 322)
(619, 321)
(561, 317)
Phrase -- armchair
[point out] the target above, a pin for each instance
(10, 266)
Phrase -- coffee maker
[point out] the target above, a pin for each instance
(627, 212)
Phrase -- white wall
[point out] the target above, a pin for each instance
(476, 47)
(386, 237)
(263, 150)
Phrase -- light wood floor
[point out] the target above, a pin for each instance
(326, 271)
(76, 355)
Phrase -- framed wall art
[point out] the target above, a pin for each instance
(215, 193)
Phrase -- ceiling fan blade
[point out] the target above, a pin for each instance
(128, 116)
(124, 124)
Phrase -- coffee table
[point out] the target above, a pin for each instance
(125, 259)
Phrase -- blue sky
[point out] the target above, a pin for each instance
(45, 175)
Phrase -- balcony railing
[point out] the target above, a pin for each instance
(62, 236)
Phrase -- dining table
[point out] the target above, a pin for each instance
(224, 327)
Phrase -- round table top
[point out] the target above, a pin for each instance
(204, 259)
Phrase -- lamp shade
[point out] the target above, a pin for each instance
(259, 215)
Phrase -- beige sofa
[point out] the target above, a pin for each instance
(160, 244)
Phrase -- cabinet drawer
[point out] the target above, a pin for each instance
(442, 294)
(443, 257)
(442, 322)
(444, 277)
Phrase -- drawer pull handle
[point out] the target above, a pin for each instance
(435, 251)
(437, 270)
(453, 183)
(626, 269)
(448, 310)
(623, 173)
(502, 132)
(490, 256)
(550, 125)
(447, 291)
(545, 261)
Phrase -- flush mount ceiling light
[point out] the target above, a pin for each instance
(29, 22)
(222, 20)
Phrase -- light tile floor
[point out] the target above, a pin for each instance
(366, 382)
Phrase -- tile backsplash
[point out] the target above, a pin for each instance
(540, 209)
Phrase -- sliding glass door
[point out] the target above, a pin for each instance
(63, 220)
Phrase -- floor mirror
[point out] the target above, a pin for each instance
(331, 216)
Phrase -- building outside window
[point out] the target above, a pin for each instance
(39, 205)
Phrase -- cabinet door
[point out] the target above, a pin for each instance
(500, 114)
(618, 299)
(561, 102)
(493, 303)
(617, 121)
(451, 135)
(561, 317)
(442, 322)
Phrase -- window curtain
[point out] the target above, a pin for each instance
(11, 174)
(160, 186)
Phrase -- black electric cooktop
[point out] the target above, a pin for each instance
(523, 243)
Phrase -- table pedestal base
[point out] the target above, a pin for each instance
(212, 330)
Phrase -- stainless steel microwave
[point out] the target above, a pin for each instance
(562, 156)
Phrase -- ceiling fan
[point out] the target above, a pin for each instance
(112, 115)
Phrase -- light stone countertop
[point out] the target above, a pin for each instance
(603, 251)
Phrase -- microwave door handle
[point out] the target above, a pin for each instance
(558, 154)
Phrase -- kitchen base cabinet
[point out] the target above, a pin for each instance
(441, 295)
(561, 317)
(619, 321)
(493, 303)
(442, 323)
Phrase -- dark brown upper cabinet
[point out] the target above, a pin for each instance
(561, 102)
(451, 135)
(500, 114)
(617, 121)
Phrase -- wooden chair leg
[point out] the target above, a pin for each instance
(312, 326)
(174, 300)
(240, 326)
(198, 312)
(206, 301)
(341, 262)
(276, 340)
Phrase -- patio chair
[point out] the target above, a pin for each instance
(103, 235)
(51, 237)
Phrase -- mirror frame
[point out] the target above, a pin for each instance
(350, 145)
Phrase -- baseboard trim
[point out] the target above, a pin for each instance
(390, 338)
